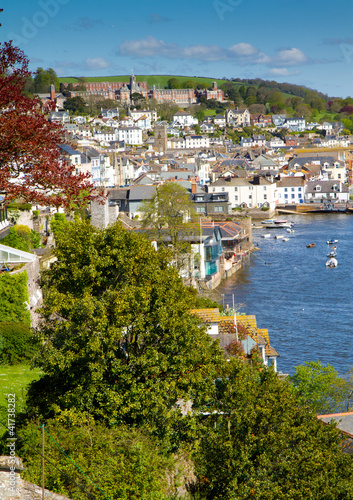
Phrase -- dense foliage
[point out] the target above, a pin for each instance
(122, 346)
(13, 297)
(17, 343)
(124, 463)
(22, 238)
(321, 388)
(259, 443)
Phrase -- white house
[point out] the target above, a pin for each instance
(290, 190)
(105, 135)
(130, 135)
(276, 142)
(220, 121)
(295, 124)
(136, 114)
(259, 141)
(247, 192)
(144, 123)
(184, 119)
(326, 191)
(207, 128)
(246, 142)
(196, 141)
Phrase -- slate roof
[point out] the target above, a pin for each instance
(327, 186)
(68, 149)
(141, 192)
(290, 182)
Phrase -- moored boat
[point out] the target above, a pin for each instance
(332, 262)
(311, 245)
(331, 242)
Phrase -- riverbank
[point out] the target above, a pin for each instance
(307, 308)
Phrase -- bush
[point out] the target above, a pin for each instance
(36, 214)
(17, 343)
(265, 209)
(13, 294)
(22, 238)
(19, 206)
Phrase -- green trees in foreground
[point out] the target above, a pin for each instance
(122, 352)
(259, 443)
(120, 343)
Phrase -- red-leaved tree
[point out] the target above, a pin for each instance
(31, 167)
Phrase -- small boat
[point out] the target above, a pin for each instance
(331, 242)
(273, 223)
(332, 263)
(285, 239)
(266, 235)
(278, 237)
(290, 230)
(311, 245)
(332, 254)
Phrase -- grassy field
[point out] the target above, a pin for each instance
(158, 80)
(14, 380)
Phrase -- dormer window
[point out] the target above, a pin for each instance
(318, 188)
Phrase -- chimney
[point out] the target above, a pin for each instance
(52, 92)
(193, 187)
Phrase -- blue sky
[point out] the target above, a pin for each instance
(304, 42)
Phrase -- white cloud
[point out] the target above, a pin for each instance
(243, 53)
(282, 72)
(290, 57)
(96, 63)
(243, 49)
(151, 46)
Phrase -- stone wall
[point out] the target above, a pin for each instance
(13, 487)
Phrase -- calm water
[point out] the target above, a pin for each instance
(307, 308)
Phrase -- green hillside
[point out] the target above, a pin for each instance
(158, 80)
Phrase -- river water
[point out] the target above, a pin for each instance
(307, 308)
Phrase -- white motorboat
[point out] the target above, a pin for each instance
(332, 262)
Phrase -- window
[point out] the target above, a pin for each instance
(218, 209)
(250, 196)
(299, 189)
(292, 189)
(235, 189)
(292, 196)
(236, 197)
(264, 188)
(265, 196)
(223, 189)
(285, 190)
(200, 210)
(285, 196)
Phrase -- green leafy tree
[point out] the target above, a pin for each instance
(168, 214)
(75, 105)
(173, 83)
(14, 295)
(123, 462)
(17, 343)
(200, 115)
(259, 443)
(321, 388)
(120, 343)
(44, 78)
(22, 238)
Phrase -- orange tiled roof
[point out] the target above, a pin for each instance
(207, 315)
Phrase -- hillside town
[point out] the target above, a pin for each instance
(221, 168)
